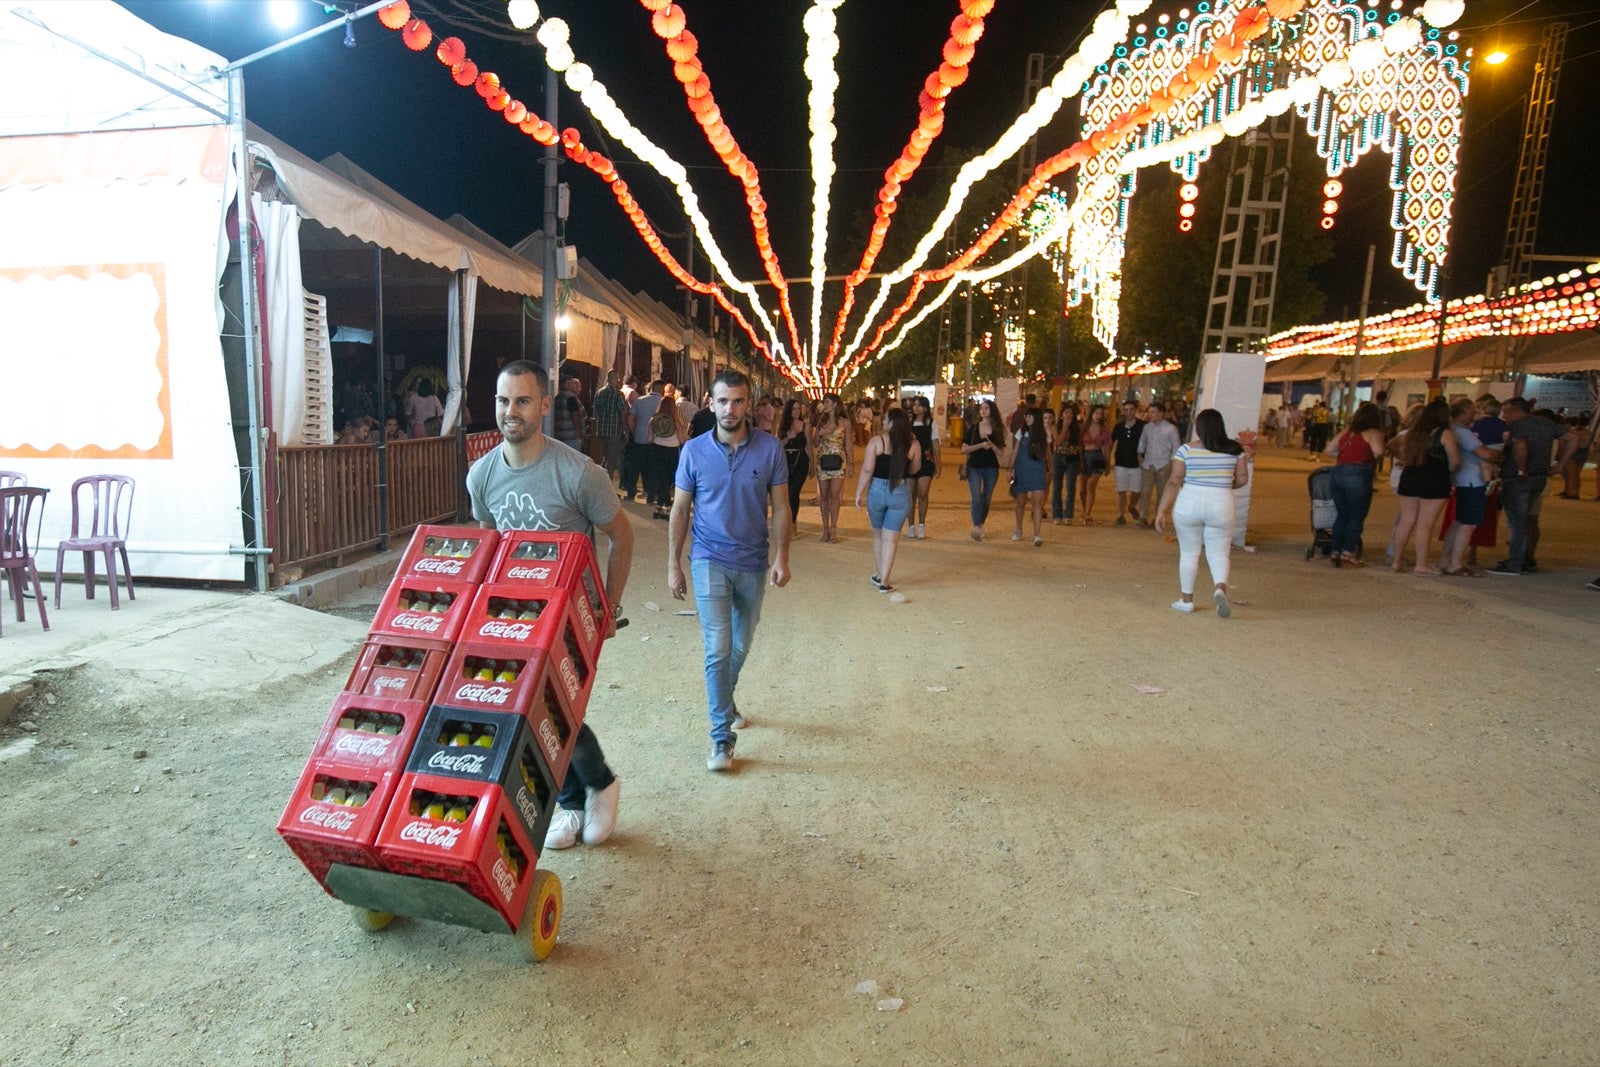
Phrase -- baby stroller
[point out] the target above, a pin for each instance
(1319, 484)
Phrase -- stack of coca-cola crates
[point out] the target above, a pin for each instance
(456, 726)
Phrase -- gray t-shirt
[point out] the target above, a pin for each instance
(562, 490)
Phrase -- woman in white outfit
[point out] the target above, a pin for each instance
(1199, 503)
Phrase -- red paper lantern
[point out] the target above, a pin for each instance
(934, 87)
(701, 86)
(416, 35)
(976, 9)
(452, 53)
(965, 29)
(952, 76)
(498, 100)
(683, 47)
(1284, 9)
(465, 74)
(529, 126)
(957, 54)
(515, 112)
(654, 5)
(396, 15)
(488, 84)
(570, 137)
(687, 72)
(668, 22)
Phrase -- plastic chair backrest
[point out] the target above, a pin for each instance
(11, 478)
(21, 518)
(110, 506)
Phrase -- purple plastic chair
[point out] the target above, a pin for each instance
(21, 517)
(109, 515)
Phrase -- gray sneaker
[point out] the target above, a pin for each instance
(721, 756)
(739, 721)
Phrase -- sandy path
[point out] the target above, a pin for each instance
(1356, 826)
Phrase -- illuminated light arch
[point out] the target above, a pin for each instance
(1358, 83)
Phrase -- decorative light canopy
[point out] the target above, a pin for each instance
(1359, 76)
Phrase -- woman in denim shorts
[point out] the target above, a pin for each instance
(890, 465)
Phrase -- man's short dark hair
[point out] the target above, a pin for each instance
(1157, 405)
(518, 367)
(733, 379)
(1518, 404)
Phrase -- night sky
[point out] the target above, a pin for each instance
(398, 115)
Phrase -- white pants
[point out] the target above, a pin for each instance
(1203, 515)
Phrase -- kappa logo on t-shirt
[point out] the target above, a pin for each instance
(517, 511)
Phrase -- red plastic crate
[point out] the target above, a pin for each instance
(498, 747)
(449, 553)
(519, 616)
(399, 617)
(554, 725)
(434, 843)
(398, 668)
(461, 687)
(322, 832)
(366, 741)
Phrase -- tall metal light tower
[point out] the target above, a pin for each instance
(1244, 280)
(1505, 359)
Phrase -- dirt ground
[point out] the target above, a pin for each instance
(1356, 826)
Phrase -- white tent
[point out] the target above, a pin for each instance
(114, 184)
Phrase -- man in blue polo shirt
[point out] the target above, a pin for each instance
(729, 480)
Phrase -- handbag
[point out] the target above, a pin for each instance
(830, 462)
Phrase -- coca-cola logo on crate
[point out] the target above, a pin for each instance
(336, 821)
(368, 745)
(538, 574)
(483, 694)
(526, 806)
(434, 565)
(426, 624)
(503, 878)
(586, 617)
(380, 682)
(457, 762)
(511, 631)
(422, 832)
(550, 741)
(569, 676)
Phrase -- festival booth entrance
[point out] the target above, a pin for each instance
(115, 181)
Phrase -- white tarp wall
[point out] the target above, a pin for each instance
(1231, 383)
(109, 319)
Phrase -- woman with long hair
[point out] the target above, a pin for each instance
(1030, 471)
(830, 442)
(667, 432)
(796, 449)
(1198, 501)
(926, 431)
(1096, 439)
(1431, 458)
(1068, 453)
(890, 465)
(983, 442)
(1357, 451)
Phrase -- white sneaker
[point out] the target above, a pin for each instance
(565, 825)
(1016, 535)
(1185, 606)
(600, 812)
(922, 531)
(1224, 609)
(721, 757)
(739, 721)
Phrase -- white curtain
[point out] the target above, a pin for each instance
(608, 349)
(284, 317)
(458, 358)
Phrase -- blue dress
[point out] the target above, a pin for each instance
(1028, 474)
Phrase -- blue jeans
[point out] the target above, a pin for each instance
(980, 483)
(730, 606)
(887, 508)
(1063, 487)
(1352, 497)
(1517, 496)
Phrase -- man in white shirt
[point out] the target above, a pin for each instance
(1156, 447)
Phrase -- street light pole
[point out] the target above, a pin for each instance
(547, 323)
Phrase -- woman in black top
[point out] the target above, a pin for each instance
(796, 449)
(1064, 472)
(1431, 457)
(922, 429)
(983, 442)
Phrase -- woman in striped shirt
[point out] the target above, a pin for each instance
(1199, 503)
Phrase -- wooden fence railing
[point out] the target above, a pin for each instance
(328, 498)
